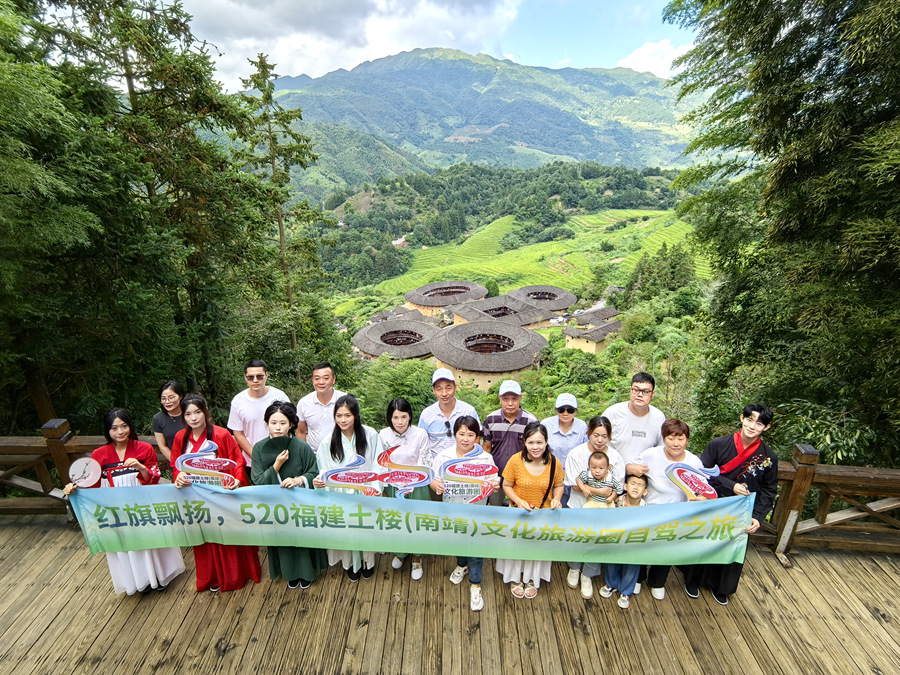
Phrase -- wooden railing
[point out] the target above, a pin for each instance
(861, 525)
(58, 447)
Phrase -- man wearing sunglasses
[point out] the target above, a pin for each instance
(565, 431)
(635, 423)
(248, 407)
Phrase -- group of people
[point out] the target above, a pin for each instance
(617, 459)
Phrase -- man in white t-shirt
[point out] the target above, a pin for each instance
(635, 423)
(248, 407)
(438, 418)
(316, 410)
(636, 426)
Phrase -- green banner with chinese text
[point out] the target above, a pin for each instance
(160, 516)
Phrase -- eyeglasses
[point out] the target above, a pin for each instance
(641, 392)
(566, 409)
(168, 399)
(447, 424)
(254, 378)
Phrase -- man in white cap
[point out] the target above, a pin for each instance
(565, 431)
(503, 428)
(438, 418)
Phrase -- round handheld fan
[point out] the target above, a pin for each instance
(84, 472)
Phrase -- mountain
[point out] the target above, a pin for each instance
(348, 157)
(444, 106)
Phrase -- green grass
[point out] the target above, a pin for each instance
(564, 263)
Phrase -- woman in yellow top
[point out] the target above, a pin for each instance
(532, 479)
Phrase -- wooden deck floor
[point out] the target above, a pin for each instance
(834, 612)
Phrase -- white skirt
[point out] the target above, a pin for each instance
(134, 571)
(523, 571)
(354, 560)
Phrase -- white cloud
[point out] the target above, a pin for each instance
(314, 37)
(655, 57)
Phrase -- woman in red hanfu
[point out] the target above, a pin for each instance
(219, 566)
(126, 461)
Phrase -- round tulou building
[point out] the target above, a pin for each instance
(433, 299)
(398, 338)
(551, 298)
(460, 328)
(487, 351)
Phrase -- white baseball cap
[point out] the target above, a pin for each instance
(442, 374)
(566, 399)
(510, 387)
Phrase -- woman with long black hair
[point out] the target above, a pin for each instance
(409, 447)
(532, 479)
(126, 461)
(349, 439)
(219, 566)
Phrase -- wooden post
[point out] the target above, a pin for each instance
(56, 433)
(805, 458)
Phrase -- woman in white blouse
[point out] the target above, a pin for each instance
(408, 445)
(349, 439)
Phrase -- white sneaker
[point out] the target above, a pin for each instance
(658, 593)
(624, 602)
(476, 602)
(587, 587)
(396, 563)
(457, 575)
(637, 589)
(416, 573)
(572, 578)
(605, 591)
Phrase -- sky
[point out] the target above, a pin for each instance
(314, 37)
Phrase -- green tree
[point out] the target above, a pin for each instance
(270, 149)
(806, 98)
(666, 270)
(165, 229)
(45, 165)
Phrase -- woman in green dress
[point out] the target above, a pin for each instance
(285, 460)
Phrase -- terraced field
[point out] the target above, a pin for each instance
(564, 263)
(671, 236)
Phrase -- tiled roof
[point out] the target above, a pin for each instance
(554, 298)
(445, 293)
(452, 346)
(418, 335)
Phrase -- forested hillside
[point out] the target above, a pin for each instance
(348, 157)
(444, 107)
(428, 210)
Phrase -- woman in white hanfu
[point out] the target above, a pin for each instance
(126, 461)
(349, 440)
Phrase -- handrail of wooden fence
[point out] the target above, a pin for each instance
(807, 485)
(57, 447)
(861, 525)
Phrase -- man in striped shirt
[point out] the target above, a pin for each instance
(503, 429)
